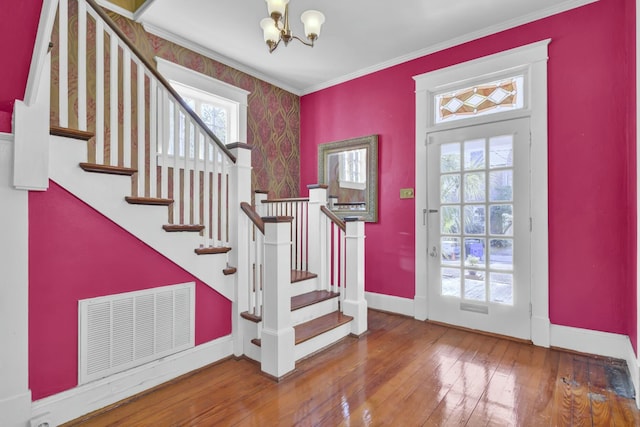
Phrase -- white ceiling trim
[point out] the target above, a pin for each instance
(142, 9)
(167, 35)
(559, 8)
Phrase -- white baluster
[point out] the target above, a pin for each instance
(113, 97)
(63, 63)
(186, 182)
(224, 205)
(177, 200)
(166, 138)
(99, 92)
(82, 65)
(197, 167)
(126, 100)
(141, 131)
(215, 211)
(206, 199)
(156, 126)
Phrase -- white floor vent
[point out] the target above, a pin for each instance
(118, 332)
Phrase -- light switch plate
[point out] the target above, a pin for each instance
(406, 193)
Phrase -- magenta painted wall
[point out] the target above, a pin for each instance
(591, 159)
(17, 36)
(76, 253)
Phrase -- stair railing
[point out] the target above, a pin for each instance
(139, 121)
(298, 208)
(255, 261)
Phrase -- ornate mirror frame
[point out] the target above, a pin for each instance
(358, 197)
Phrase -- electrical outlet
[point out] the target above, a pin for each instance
(406, 193)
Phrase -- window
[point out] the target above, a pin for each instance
(221, 106)
(485, 98)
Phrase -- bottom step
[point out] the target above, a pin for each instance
(313, 328)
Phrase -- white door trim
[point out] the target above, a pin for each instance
(532, 61)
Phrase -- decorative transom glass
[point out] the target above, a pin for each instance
(486, 98)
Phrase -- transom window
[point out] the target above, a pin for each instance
(481, 99)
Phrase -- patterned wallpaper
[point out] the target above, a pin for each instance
(273, 113)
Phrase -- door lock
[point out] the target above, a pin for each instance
(434, 252)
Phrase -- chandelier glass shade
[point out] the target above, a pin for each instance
(276, 28)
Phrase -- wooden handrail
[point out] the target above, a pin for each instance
(158, 76)
(333, 217)
(253, 215)
(294, 199)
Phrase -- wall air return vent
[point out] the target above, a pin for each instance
(118, 332)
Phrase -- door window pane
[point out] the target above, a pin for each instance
(501, 186)
(450, 157)
(450, 189)
(450, 279)
(501, 220)
(474, 287)
(474, 187)
(501, 151)
(474, 154)
(474, 219)
(450, 250)
(474, 253)
(450, 220)
(501, 254)
(501, 288)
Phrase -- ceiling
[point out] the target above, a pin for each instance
(358, 37)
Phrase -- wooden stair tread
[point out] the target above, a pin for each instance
(171, 228)
(229, 270)
(153, 201)
(113, 170)
(212, 250)
(298, 302)
(313, 328)
(299, 276)
(310, 298)
(70, 133)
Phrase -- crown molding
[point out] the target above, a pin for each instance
(137, 15)
(534, 16)
(174, 38)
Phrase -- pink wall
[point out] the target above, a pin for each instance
(591, 159)
(17, 36)
(76, 253)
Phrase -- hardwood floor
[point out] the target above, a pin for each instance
(402, 373)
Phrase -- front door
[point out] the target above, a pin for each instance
(479, 227)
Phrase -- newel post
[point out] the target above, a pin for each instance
(278, 336)
(354, 304)
(239, 191)
(317, 229)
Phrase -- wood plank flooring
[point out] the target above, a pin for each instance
(402, 373)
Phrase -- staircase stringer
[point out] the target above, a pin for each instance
(105, 193)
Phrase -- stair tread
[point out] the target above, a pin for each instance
(229, 270)
(108, 169)
(70, 133)
(300, 275)
(183, 227)
(310, 298)
(313, 328)
(154, 201)
(298, 302)
(212, 250)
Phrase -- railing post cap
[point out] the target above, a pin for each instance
(275, 219)
(316, 186)
(352, 218)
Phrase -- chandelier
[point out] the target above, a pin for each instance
(276, 28)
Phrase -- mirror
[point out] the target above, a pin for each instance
(350, 169)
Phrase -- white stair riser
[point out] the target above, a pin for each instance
(304, 286)
(314, 311)
(251, 330)
(306, 348)
(106, 194)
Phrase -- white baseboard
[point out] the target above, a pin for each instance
(15, 410)
(634, 371)
(81, 400)
(390, 303)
